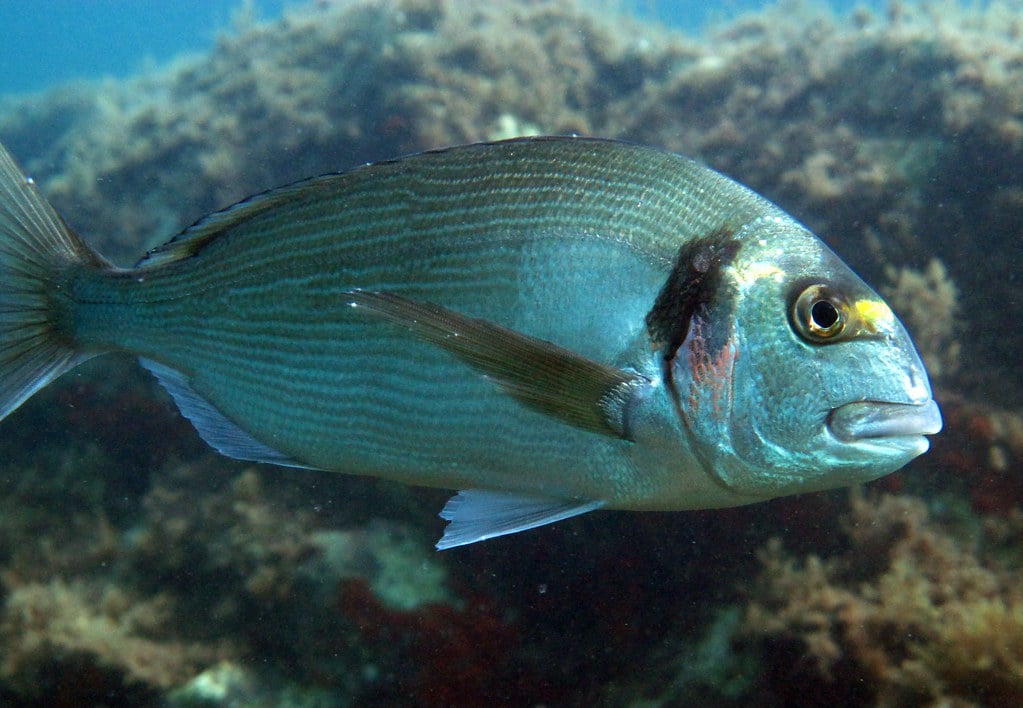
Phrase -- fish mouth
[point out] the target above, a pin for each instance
(901, 425)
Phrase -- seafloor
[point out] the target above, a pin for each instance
(137, 567)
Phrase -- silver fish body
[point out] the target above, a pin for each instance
(550, 325)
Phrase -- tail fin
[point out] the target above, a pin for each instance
(36, 249)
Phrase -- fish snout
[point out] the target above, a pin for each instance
(901, 426)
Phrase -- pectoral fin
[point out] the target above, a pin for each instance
(537, 373)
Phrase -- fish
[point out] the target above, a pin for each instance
(547, 326)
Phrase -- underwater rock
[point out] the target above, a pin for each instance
(928, 303)
(896, 136)
(981, 454)
(221, 685)
(388, 558)
(87, 642)
(906, 615)
(259, 565)
(229, 684)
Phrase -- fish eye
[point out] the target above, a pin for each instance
(824, 315)
(819, 314)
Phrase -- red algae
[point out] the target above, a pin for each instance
(455, 656)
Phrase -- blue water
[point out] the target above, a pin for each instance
(47, 42)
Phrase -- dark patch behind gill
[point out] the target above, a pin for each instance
(692, 284)
(691, 287)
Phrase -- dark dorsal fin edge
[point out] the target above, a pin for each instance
(192, 240)
(197, 236)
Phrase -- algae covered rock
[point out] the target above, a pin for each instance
(907, 615)
(136, 565)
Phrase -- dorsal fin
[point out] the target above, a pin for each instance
(193, 239)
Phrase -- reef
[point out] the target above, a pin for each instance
(79, 642)
(136, 567)
(928, 302)
(907, 615)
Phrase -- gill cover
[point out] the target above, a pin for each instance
(799, 336)
(691, 328)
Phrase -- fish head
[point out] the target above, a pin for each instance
(796, 376)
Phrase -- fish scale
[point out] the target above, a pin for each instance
(510, 319)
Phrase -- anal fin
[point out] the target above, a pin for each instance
(214, 427)
(476, 515)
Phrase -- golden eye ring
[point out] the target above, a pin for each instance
(819, 315)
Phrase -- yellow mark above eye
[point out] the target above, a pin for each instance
(820, 314)
(873, 314)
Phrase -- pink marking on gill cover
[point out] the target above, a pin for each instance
(711, 372)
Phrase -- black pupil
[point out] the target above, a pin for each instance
(824, 314)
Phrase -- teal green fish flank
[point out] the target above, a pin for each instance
(480, 318)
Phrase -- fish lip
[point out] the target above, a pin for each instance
(882, 421)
